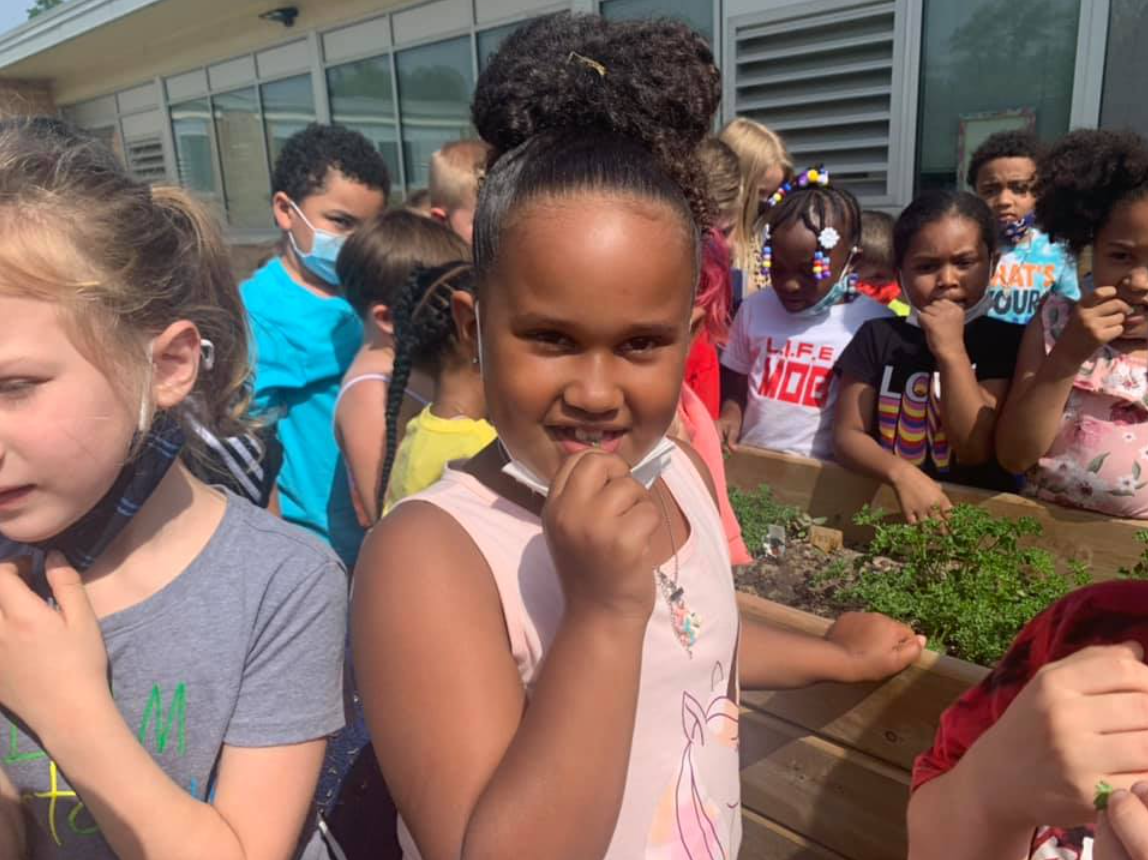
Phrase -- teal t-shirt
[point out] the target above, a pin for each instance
(1026, 273)
(303, 344)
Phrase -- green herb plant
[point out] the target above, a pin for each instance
(1140, 569)
(758, 510)
(970, 582)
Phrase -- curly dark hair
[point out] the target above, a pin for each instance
(932, 206)
(1004, 144)
(574, 102)
(424, 334)
(307, 156)
(1084, 177)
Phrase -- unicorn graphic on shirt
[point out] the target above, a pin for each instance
(699, 815)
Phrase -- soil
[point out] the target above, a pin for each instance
(804, 578)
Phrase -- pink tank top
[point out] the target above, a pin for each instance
(682, 797)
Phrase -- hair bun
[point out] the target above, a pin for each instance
(652, 81)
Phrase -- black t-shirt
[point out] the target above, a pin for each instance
(893, 356)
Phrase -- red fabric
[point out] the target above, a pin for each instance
(703, 373)
(703, 436)
(1103, 614)
(883, 293)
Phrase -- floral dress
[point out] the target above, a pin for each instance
(1099, 459)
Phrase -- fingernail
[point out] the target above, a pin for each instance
(1118, 796)
(1140, 789)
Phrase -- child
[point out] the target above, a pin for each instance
(455, 173)
(373, 267)
(1077, 419)
(723, 181)
(765, 165)
(328, 180)
(176, 658)
(919, 397)
(1003, 172)
(453, 425)
(542, 585)
(779, 389)
(876, 272)
(1016, 763)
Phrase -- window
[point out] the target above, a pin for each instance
(489, 41)
(246, 179)
(288, 107)
(699, 14)
(435, 86)
(987, 65)
(362, 97)
(1126, 69)
(195, 163)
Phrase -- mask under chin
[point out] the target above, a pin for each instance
(83, 541)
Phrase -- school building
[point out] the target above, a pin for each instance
(892, 95)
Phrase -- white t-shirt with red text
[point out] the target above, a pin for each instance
(789, 360)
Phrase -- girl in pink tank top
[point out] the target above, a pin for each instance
(547, 641)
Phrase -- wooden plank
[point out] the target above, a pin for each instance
(839, 798)
(893, 721)
(830, 491)
(763, 839)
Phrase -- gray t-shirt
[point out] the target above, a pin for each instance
(244, 648)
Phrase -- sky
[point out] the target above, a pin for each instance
(13, 13)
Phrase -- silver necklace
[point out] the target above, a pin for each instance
(684, 622)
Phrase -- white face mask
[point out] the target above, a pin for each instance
(646, 472)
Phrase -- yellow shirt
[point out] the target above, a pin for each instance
(429, 444)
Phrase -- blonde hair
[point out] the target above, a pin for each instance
(123, 260)
(723, 177)
(455, 172)
(758, 150)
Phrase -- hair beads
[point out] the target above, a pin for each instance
(827, 239)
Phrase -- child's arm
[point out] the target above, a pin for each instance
(860, 646)
(1079, 721)
(474, 770)
(55, 677)
(361, 427)
(968, 407)
(1035, 408)
(919, 495)
(13, 838)
(735, 390)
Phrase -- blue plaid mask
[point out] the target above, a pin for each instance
(83, 541)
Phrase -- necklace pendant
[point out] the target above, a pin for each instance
(684, 622)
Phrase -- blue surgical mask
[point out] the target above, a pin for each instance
(325, 247)
(843, 289)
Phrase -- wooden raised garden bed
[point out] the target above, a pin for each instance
(825, 770)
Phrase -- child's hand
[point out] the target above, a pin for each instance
(1122, 831)
(729, 427)
(875, 645)
(1097, 319)
(52, 661)
(920, 497)
(943, 323)
(598, 523)
(1079, 721)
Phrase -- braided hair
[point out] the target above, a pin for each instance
(814, 205)
(424, 336)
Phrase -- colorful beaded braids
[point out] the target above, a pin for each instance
(827, 239)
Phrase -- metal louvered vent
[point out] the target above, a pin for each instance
(825, 76)
(145, 159)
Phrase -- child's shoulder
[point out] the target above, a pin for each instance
(261, 547)
(862, 309)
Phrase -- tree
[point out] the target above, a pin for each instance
(43, 6)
